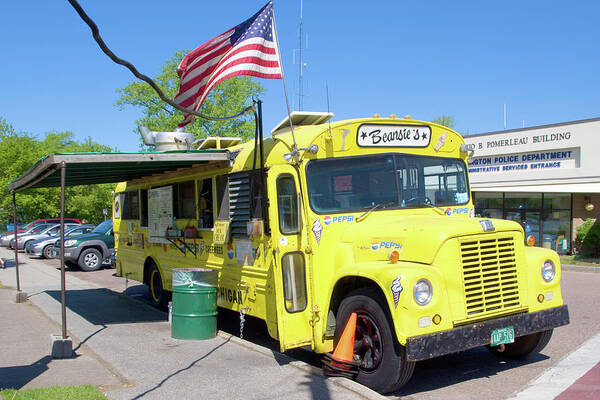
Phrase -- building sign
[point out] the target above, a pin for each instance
(520, 142)
(534, 161)
(379, 135)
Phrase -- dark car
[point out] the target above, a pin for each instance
(90, 250)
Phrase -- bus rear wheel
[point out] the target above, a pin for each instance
(159, 297)
(383, 364)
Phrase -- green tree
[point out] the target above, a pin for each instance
(227, 98)
(20, 151)
(445, 120)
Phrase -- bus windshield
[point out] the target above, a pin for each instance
(351, 184)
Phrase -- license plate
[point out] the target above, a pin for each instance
(503, 336)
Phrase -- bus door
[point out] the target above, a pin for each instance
(290, 265)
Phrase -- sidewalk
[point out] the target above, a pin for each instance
(125, 347)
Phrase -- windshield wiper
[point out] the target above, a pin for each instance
(435, 208)
(373, 208)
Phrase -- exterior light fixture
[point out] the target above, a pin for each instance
(588, 203)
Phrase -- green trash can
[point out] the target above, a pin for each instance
(194, 305)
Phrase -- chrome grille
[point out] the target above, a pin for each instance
(490, 280)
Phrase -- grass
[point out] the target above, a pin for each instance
(84, 392)
(578, 260)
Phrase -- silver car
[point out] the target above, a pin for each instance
(43, 247)
(8, 237)
(50, 230)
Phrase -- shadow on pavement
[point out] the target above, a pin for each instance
(193, 363)
(19, 376)
(105, 307)
(448, 370)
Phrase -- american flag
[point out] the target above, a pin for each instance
(247, 49)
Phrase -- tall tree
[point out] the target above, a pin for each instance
(446, 120)
(228, 98)
(81, 202)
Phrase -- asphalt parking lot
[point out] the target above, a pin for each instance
(123, 345)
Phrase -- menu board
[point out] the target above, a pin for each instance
(160, 213)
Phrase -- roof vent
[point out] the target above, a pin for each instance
(301, 118)
(218, 142)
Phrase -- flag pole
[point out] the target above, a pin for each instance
(287, 101)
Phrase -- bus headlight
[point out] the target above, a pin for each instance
(548, 270)
(423, 291)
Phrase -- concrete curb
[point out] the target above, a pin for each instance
(580, 268)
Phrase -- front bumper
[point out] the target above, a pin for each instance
(479, 334)
(33, 251)
(71, 253)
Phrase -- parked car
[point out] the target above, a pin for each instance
(49, 231)
(90, 250)
(6, 239)
(43, 247)
(38, 222)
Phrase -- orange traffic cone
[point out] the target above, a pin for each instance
(341, 362)
(344, 351)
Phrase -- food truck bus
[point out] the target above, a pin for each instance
(370, 216)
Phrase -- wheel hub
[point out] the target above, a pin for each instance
(91, 260)
(367, 342)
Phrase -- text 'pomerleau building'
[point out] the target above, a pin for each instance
(545, 177)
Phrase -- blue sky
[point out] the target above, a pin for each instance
(423, 58)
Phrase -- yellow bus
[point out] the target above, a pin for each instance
(371, 216)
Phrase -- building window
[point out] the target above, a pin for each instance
(545, 216)
(524, 208)
(556, 222)
(488, 205)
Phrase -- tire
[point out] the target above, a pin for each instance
(26, 243)
(47, 251)
(158, 296)
(90, 260)
(523, 346)
(384, 367)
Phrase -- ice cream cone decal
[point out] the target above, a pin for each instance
(396, 290)
(317, 228)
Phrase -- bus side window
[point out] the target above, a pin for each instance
(144, 207)
(222, 197)
(205, 203)
(130, 205)
(287, 203)
(183, 201)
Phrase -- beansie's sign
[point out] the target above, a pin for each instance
(376, 135)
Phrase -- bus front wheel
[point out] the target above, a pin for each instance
(159, 297)
(383, 364)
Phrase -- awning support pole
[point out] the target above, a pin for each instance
(15, 227)
(63, 167)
